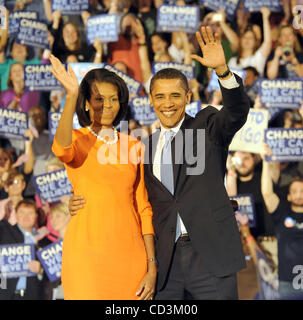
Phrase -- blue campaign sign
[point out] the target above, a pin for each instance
(142, 111)
(213, 84)
(286, 144)
(133, 85)
(229, 6)
(104, 27)
(70, 7)
(246, 206)
(51, 260)
(268, 280)
(52, 186)
(14, 259)
(32, 33)
(14, 20)
(38, 77)
(81, 68)
(173, 18)
(193, 108)
(256, 5)
(281, 93)
(187, 70)
(53, 122)
(13, 124)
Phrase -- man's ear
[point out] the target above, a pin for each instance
(188, 96)
(288, 198)
(23, 185)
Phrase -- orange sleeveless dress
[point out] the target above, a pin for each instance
(104, 255)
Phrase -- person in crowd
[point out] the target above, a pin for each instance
(18, 53)
(181, 228)
(60, 217)
(251, 84)
(104, 239)
(16, 97)
(285, 62)
(14, 186)
(249, 53)
(24, 232)
(6, 164)
(288, 220)
(244, 177)
(69, 41)
(41, 147)
(230, 40)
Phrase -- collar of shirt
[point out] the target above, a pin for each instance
(174, 129)
(28, 235)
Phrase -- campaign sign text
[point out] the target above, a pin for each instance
(81, 68)
(142, 111)
(229, 6)
(249, 138)
(281, 93)
(70, 7)
(13, 124)
(286, 144)
(32, 33)
(104, 27)
(174, 18)
(193, 108)
(53, 122)
(14, 20)
(52, 186)
(256, 5)
(213, 84)
(14, 259)
(51, 260)
(268, 280)
(133, 85)
(246, 206)
(38, 77)
(187, 70)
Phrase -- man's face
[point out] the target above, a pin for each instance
(287, 37)
(250, 78)
(247, 163)
(26, 217)
(169, 98)
(295, 195)
(38, 117)
(59, 220)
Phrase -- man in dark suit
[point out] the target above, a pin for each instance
(22, 232)
(198, 245)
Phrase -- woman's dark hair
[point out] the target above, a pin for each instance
(100, 75)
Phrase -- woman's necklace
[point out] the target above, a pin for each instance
(103, 139)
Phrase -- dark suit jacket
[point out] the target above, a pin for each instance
(10, 235)
(201, 200)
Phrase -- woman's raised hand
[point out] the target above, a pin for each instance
(67, 79)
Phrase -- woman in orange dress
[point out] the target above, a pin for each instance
(108, 248)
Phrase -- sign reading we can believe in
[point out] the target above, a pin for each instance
(172, 18)
(70, 7)
(13, 124)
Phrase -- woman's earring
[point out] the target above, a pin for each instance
(86, 109)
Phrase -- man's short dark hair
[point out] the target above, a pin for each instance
(253, 70)
(295, 179)
(100, 75)
(169, 73)
(27, 203)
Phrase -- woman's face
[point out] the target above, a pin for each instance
(104, 103)
(158, 45)
(17, 73)
(287, 37)
(59, 220)
(18, 52)
(4, 162)
(248, 40)
(70, 34)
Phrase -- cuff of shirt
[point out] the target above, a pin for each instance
(230, 83)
